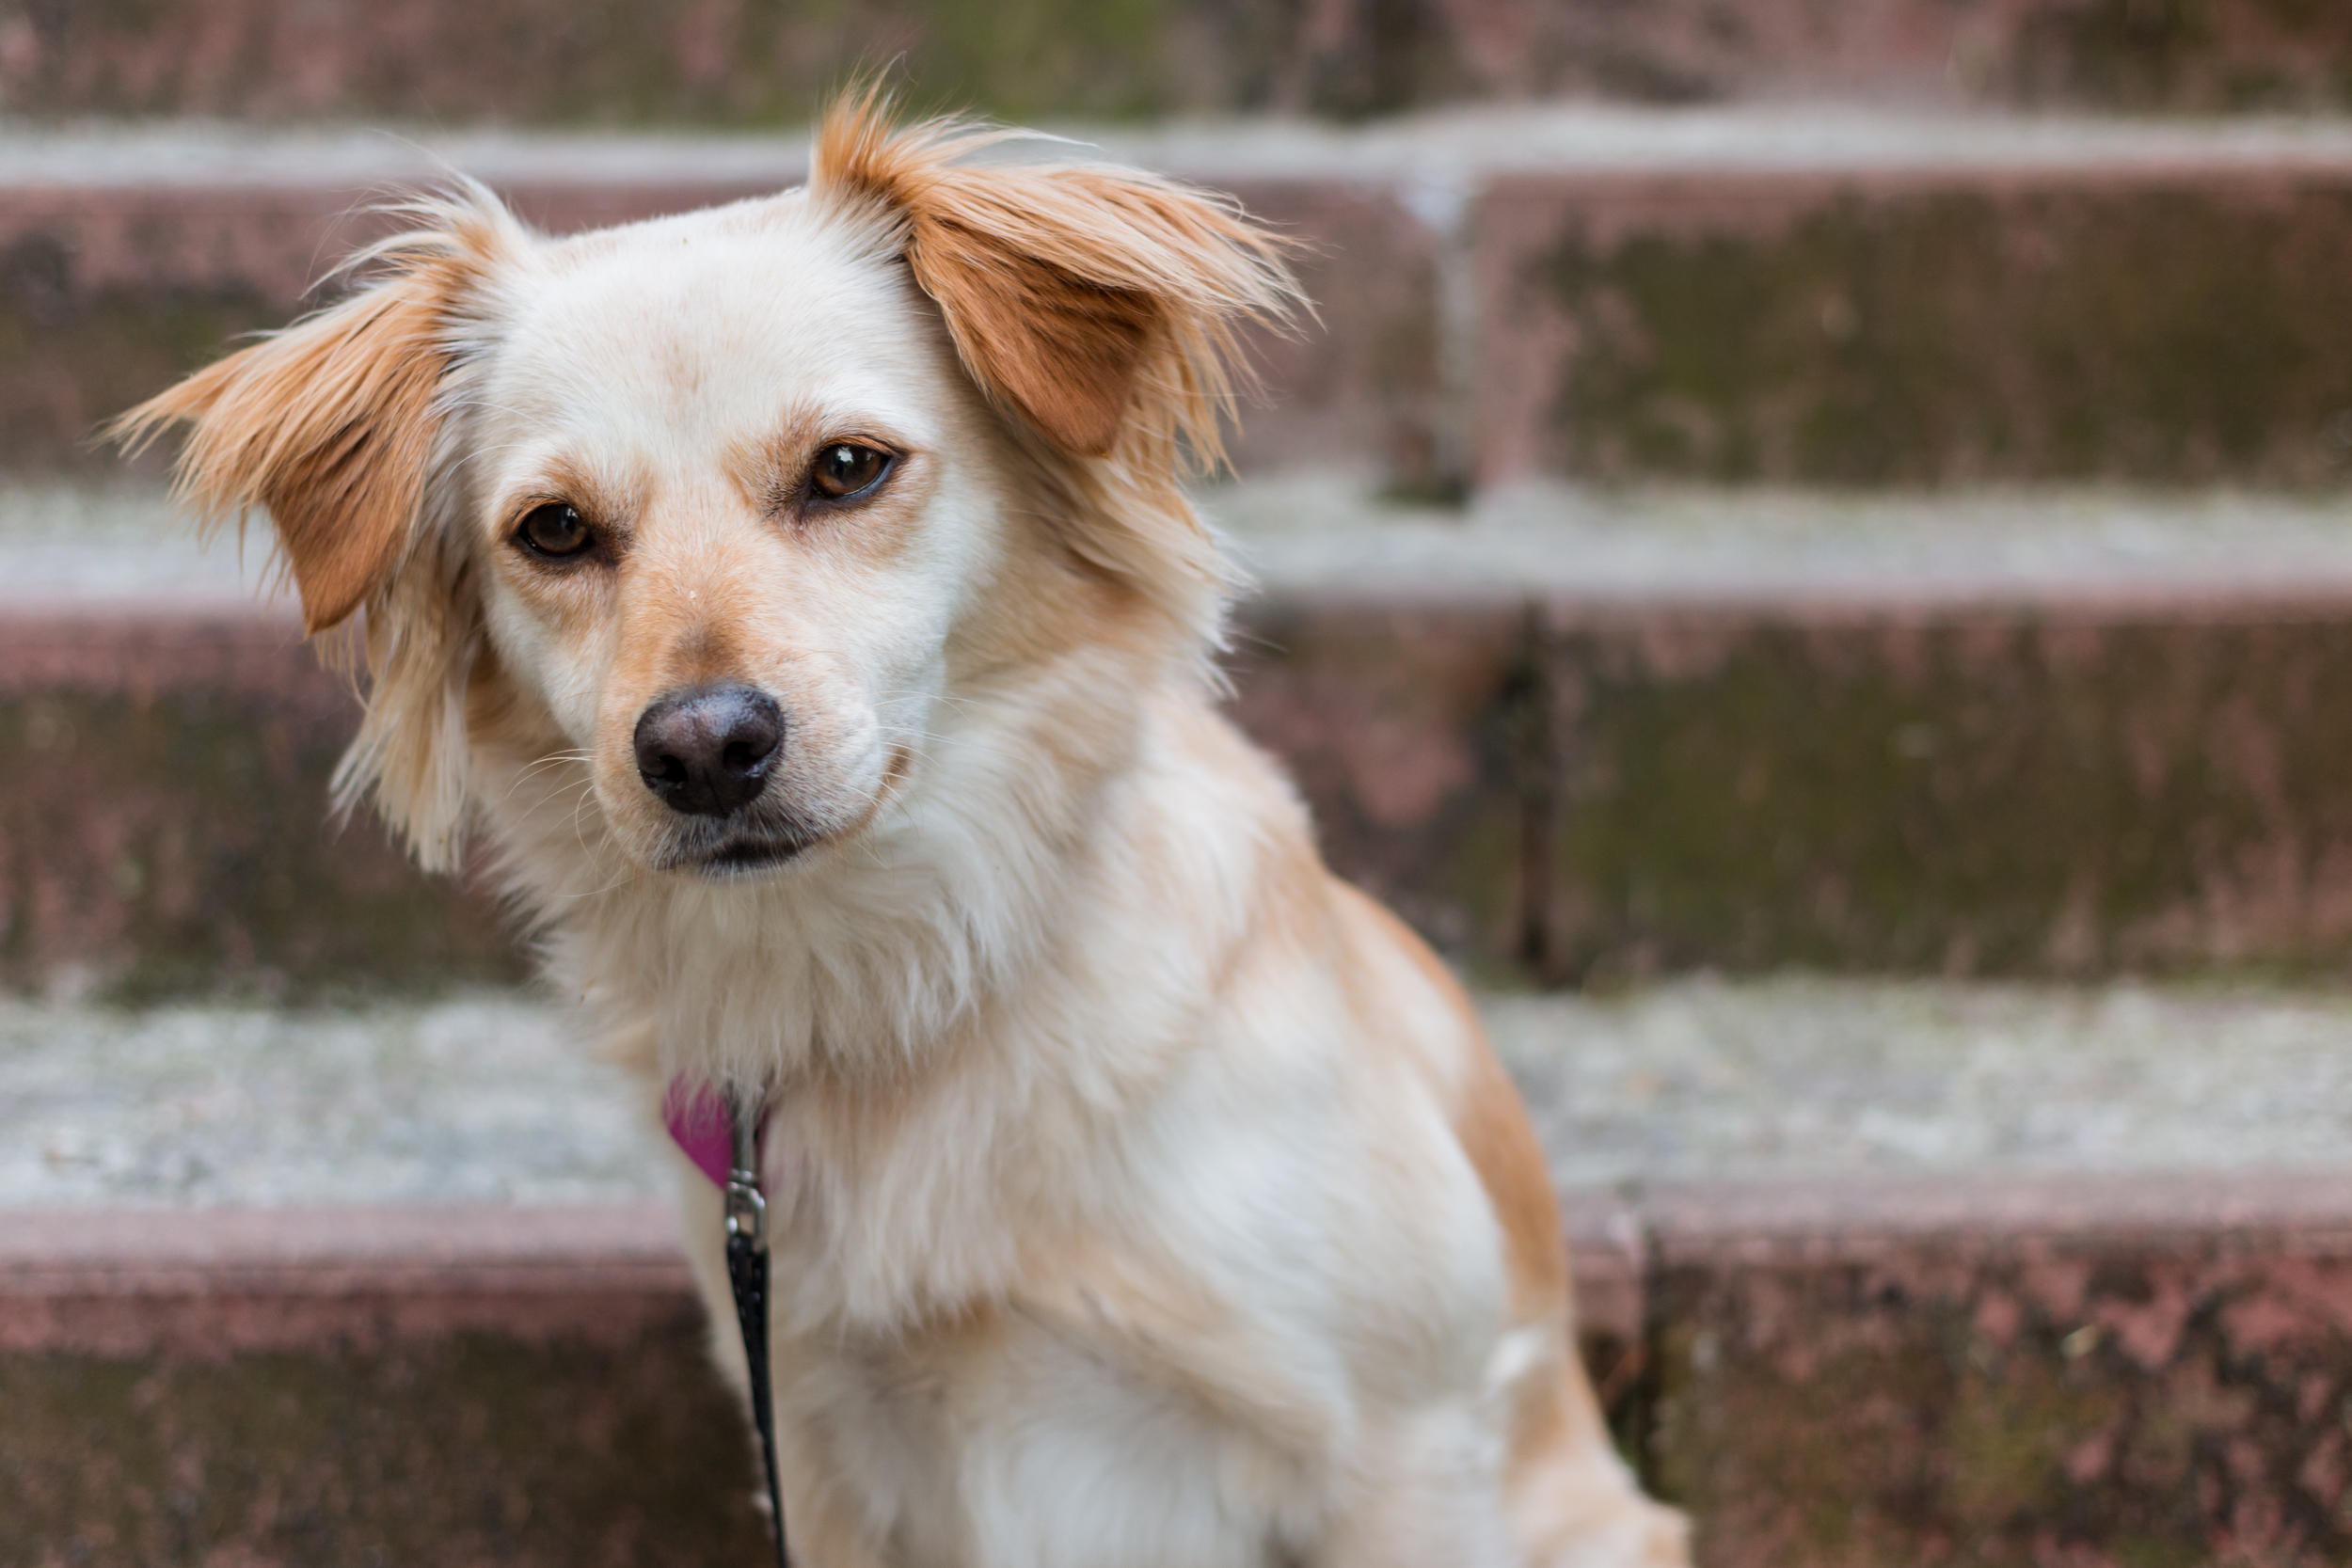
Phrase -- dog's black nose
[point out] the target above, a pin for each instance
(706, 751)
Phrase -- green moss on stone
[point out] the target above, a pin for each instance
(2158, 335)
(69, 361)
(1985, 794)
(1843, 1415)
(762, 63)
(471, 1449)
(184, 845)
(2184, 55)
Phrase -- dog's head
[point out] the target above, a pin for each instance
(723, 506)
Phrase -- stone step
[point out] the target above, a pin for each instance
(1866, 1271)
(1573, 736)
(493, 1095)
(438, 62)
(2054, 734)
(1790, 294)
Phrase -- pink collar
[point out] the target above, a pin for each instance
(696, 1116)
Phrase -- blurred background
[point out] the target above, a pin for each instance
(1807, 550)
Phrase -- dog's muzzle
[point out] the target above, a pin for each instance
(706, 751)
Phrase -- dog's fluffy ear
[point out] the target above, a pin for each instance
(330, 425)
(1098, 303)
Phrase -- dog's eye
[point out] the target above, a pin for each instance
(555, 530)
(845, 469)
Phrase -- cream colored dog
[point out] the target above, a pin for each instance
(799, 599)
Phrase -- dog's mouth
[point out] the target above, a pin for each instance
(728, 851)
(745, 856)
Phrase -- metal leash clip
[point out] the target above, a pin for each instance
(746, 1210)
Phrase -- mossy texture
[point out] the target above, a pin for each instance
(1978, 793)
(473, 1449)
(763, 63)
(1927, 337)
(769, 61)
(182, 842)
(2109, 1411)
(2200, 56)
(73, 357)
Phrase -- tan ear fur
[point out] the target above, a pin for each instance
(1061, 352)
(1097, 304)
(330, 425)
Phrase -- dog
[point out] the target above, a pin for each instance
(799, 601)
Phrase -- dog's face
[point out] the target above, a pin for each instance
(731, 496)
(719, 505)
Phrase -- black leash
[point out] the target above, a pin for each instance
(747, 1272)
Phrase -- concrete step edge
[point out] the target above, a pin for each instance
(1440, 148)
(131, 1281)
(338, 1250)
(125, 1283)
(2300, 1210)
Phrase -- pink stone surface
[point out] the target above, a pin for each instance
(179, 826)
(2042, 1370)
(134, 1282)
(1393, 717)
(1357, 380)
(1716, 244)
(2289, 1224)
(530, 60)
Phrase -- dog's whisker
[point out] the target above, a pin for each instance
(627, 876)
(526, 774)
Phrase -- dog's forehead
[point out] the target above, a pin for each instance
(715, 319)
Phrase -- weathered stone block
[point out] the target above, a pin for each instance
(2032, 1390)
(165, 825)
(1997, 790)
(1911, 330)
(1404, 726)
(1356, 383)
(2173, 54)
(474, 1449)
(603, 62)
